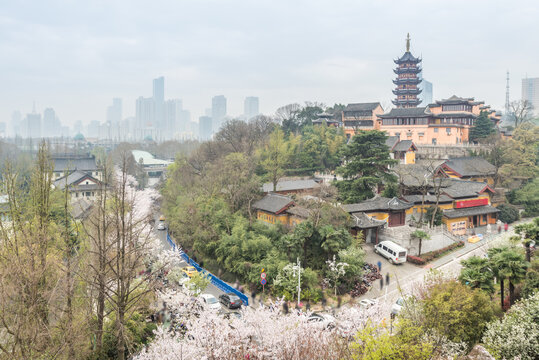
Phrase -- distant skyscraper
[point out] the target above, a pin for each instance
(16, 123)
(159, 99)
(173, 109)
(205, 127)
(250, 107)
(114, 112)
(51, 124)
(145, 112)
(530, 93)
(33, 125)
(426, 93)
(184, 120)
(218, 111)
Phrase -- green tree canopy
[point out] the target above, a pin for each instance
(476, 273)
(483, 128)
(521, 155)
(366, 164)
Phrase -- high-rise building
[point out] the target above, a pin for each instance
(114, 112)
(173, 109)
(408, 78)
(145, 112)
(218, 111)
(33, 125)
(205, 127)
(530, 93)
(250, 107)
(16, 123)
(51, 123)
(159, 102)
(426, 92)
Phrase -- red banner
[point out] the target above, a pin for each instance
(471, 203)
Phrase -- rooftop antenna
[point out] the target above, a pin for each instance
(507, 105)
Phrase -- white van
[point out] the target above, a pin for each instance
(394, 253)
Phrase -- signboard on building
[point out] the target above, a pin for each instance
(471, 203)
(458, 227)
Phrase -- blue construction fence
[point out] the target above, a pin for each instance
(223, 286)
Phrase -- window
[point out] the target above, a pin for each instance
(433, 141)
(76, 194)
(409, 134)
(421, 134)
(435, 129)
(87, 194)
(448, 131)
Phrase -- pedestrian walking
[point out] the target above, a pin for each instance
(387, 279)
(285, 307)
(506, 226)
(381, 283)
(499, 229)
(379, 265)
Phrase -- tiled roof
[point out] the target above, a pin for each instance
(73, 178)
(403, 145)
(471, 166)
(299, 212)
(377, 203)
(273, 203)
(461, 188)
(292, 185)
(429, 199)
(478, 210)
(407, 112)
(392, 141)
(81, 208)
(362, 106)
(408, 57)
(363, 221)
(74, 163)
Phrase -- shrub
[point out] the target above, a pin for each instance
(508, 213)
(426, 257)
(415, 260)
(437, 217)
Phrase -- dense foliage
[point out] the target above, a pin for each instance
(483, 128)
(508, 213)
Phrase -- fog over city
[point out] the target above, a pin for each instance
(75, 57)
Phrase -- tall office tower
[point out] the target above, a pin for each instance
(159, 99)
(426, 93)
(51, 124)
(250, 107)
(218, 111)
(173, 109)
(3, 129)
(93, 129)
(16, 122)
(114, 112)
(530, 93)
(33, 125)
(184, 120)
(145, 112)
(205, 127)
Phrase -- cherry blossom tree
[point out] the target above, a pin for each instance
(336, 270)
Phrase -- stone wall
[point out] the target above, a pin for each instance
(448, 151)
(439, 238)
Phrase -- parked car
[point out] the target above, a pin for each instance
(184, 279)
(161, 226)
(326, 320)
(189, 270)
(397, 306)
(210, 301)
(367, 303)
(394, 253)
(230, 300)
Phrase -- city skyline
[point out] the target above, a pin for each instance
(82, 67)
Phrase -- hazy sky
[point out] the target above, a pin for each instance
(75, 56)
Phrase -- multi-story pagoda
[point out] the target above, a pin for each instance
(407, 80)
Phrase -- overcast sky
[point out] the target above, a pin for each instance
(75, 56)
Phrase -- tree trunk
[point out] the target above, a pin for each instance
(511, 292)
(501, 291)
(420, 244)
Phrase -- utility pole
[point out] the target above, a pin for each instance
(298, 268)
(507, 104)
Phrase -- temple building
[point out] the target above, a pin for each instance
(408, 79)
(361, 116)
(446, 122)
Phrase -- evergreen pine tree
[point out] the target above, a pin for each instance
(366, 164)
(483, 127)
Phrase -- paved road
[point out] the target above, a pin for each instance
(210, 289)
(406, 276)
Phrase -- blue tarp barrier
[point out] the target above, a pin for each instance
(223, 286)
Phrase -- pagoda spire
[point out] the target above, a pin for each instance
(408, 43)
(408, 79)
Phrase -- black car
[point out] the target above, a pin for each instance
(230, 300)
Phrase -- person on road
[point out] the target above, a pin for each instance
(379, 265)
(387, 279)
(381, 283)
(506, 226)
